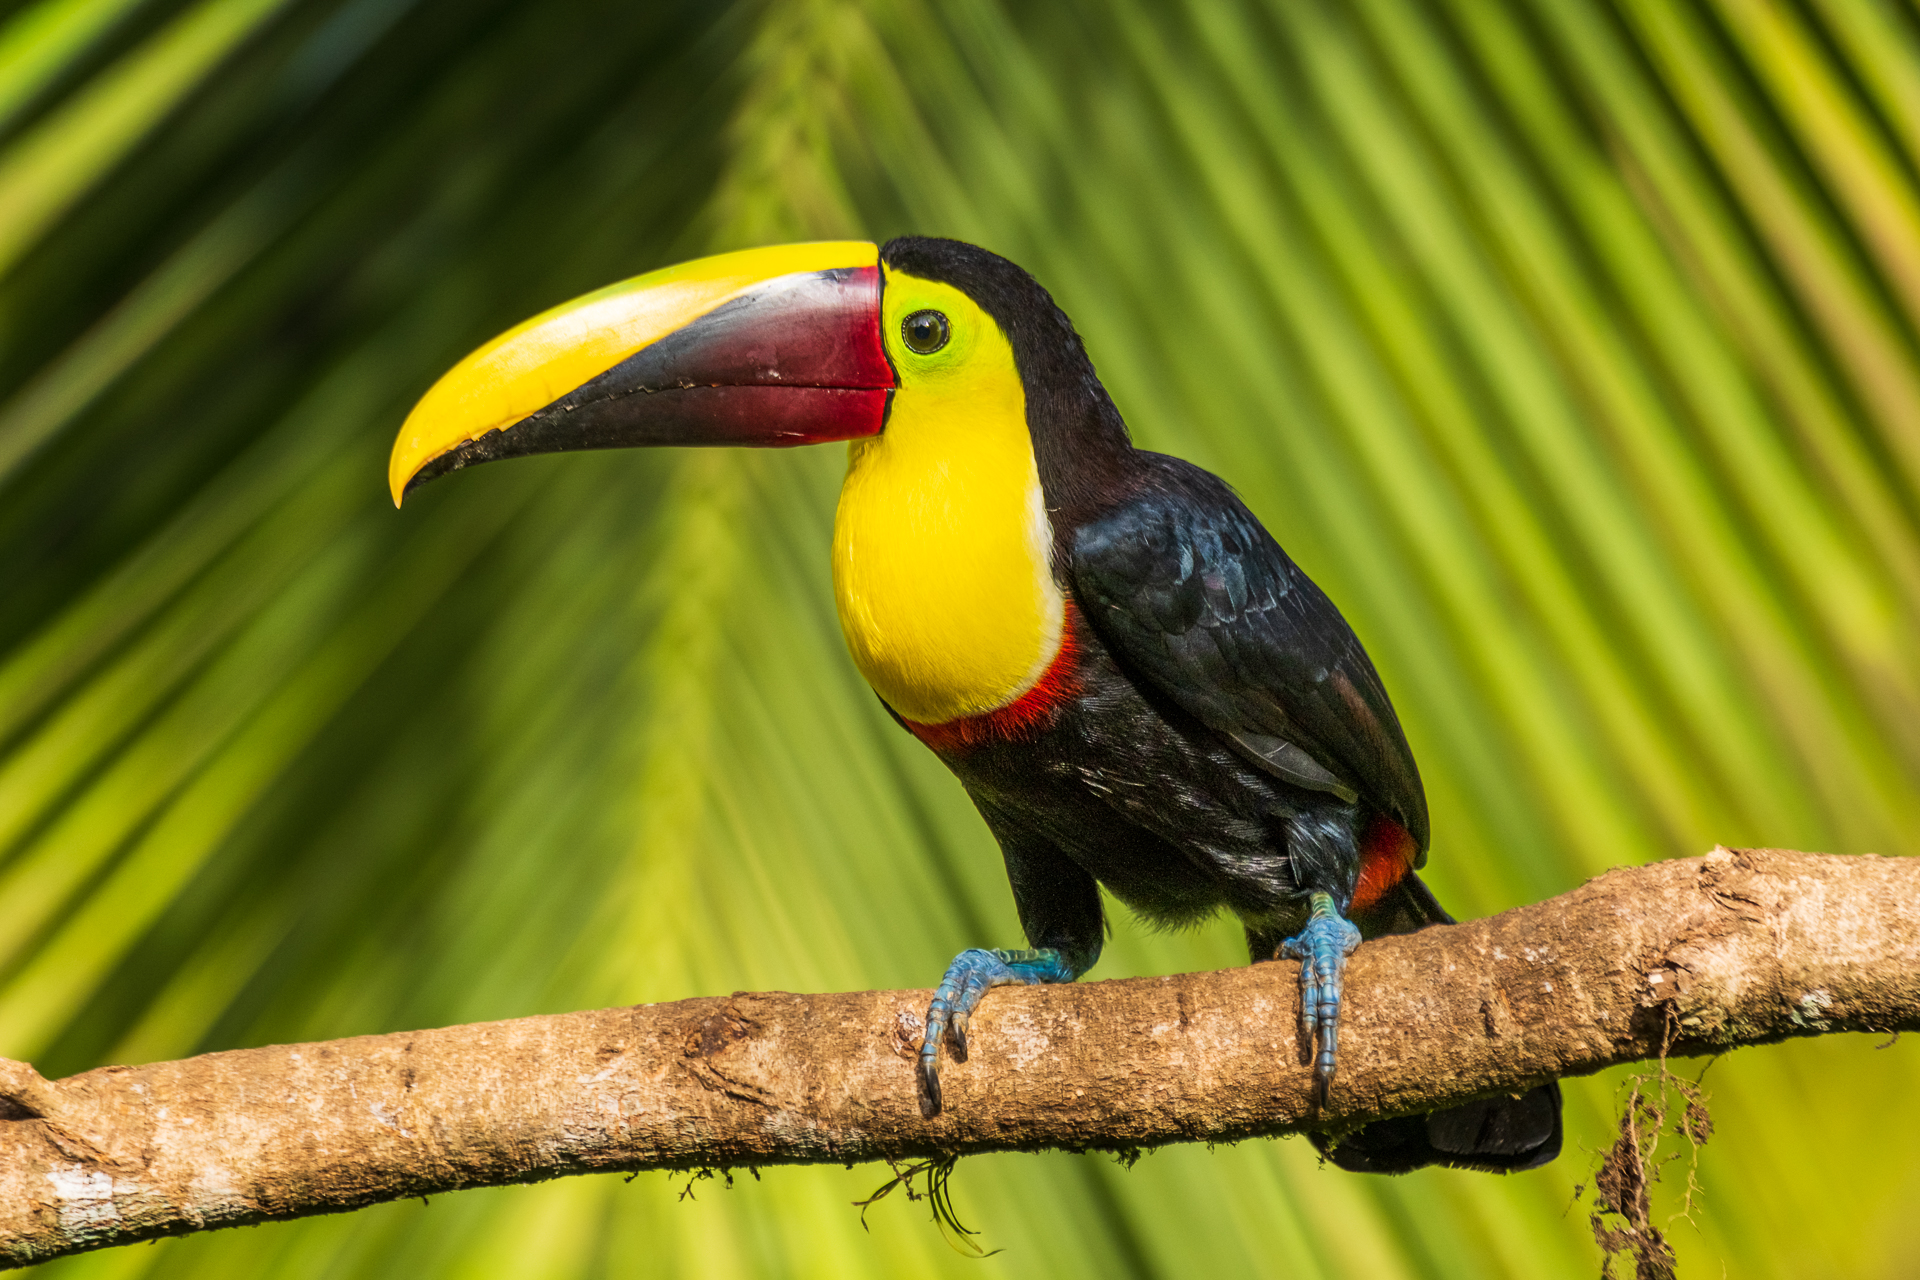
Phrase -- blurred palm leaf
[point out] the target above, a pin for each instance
(1571, 346)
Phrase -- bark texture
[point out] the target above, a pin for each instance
(1693, 956)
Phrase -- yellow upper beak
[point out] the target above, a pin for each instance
(597, 372)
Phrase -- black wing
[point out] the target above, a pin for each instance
(1191, 593)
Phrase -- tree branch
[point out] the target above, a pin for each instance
(1686, 957)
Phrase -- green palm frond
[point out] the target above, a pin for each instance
(1574, 347)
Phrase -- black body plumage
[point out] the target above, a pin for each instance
(1225, 741)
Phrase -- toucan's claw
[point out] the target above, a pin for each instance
(971, 975)
(1322, 948)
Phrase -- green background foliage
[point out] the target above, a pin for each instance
(1570, 345)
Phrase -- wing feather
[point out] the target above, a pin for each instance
(1192, 594)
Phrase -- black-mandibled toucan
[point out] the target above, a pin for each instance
(1134, 683)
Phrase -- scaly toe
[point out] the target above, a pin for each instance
(1322, 947)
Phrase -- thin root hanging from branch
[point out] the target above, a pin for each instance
(936, 1172)
(1622, 1215)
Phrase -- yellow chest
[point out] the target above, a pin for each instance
(942, 556)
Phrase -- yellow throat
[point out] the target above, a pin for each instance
(942, 551)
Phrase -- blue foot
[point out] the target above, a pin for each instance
(971, 975)
(1322, 949)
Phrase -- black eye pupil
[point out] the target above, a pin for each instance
(925, 332)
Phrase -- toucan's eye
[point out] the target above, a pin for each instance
(925, 332)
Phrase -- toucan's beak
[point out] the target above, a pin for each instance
(775, 346)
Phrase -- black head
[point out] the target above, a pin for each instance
(1079, 441)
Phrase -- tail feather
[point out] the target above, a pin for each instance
(1501, 1134)
(1493, 1135)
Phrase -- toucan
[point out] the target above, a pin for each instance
(1134, 683)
